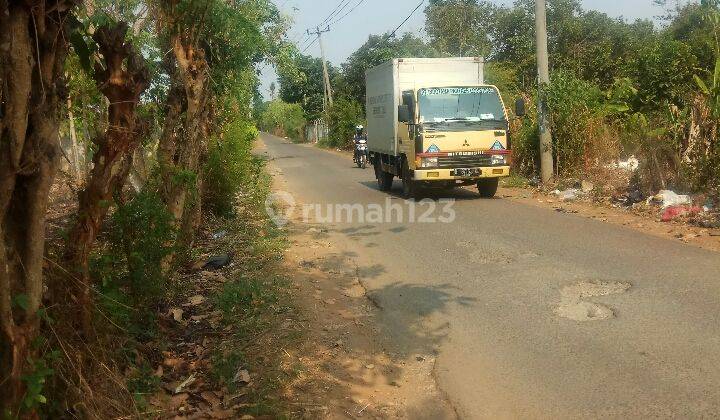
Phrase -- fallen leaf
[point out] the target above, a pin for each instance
(185, 383)
(178, 400)
(211, 398)
(222, 414)
(177, 314)
(172, 362)
(196, 300)
(200, 351)
(242, 375)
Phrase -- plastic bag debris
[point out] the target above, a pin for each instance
(674, 212)
(567, 195)
(218, 261)
(629, 165)
(218, 235)
(669, 198)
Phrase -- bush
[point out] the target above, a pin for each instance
(526, 142)
(664, 72)
(130, 270)
(227, 165)
(284, 120)
(344, 116)
(581, 135)
(701, 162)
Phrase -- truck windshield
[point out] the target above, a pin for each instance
(439, 105)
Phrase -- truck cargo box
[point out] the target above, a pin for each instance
(386, 82)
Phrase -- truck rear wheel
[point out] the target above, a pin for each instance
(384, 179)
(487, 187)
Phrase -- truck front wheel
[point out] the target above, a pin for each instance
(487, 187)
(410, 186)
(384, 179)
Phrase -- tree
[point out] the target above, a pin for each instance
(303, 84)
(344, 116)
(283, 119)
(122, 78)
(460, 27)
(213, 44)
(696, 26)
(33, 46)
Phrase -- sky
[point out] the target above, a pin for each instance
(380, 16)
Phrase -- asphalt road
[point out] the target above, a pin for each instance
(530, 313)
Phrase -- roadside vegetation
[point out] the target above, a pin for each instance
(127, 131)
(619, 89)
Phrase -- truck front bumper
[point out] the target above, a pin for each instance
(447, 174)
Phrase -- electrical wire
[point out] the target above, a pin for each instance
(338, 9)
(349, 11)
(392, 34)
(310, 44)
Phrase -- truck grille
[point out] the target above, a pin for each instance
(464, 161)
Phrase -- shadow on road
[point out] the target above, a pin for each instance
(404, 317)
(435, 194)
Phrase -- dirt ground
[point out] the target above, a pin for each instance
(646, 220)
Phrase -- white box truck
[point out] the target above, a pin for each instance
(434, 122)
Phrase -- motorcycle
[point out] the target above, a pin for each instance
(360, 157)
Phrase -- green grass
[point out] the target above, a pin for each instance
(515, 181)
(255, 301)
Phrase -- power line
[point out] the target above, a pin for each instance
(406, 19)
(336, 11)
(349, 11)
(314, 40)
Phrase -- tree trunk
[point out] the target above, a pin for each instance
(77, 172)
(183, 143)
(122, 80)
(33, 47)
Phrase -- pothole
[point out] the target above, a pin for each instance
(574, 306)
(491, 257)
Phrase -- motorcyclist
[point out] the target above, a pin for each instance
(356, 139)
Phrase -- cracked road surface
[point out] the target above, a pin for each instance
(527, 311)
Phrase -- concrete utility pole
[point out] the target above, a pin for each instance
(546, 158)
(326, 77)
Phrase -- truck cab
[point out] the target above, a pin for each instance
(457, 135)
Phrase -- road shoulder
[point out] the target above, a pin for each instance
(347, 368)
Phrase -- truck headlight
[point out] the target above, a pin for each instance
(430, 162)
(499, 160)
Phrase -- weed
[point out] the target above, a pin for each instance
(38, 373)
(229, 164)
(141, 382)
(515, 181)
(130, 270)
(225, 366)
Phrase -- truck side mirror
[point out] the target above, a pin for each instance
(403, 113)
(520, 107)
